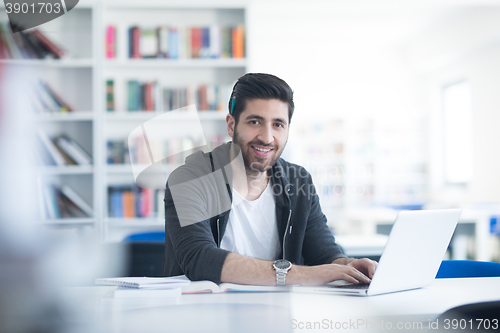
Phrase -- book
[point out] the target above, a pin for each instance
(110, 95)
(215, 41)
(63, 106)
(116, 203)
(144, 282)
(173, 43)
(239, 42)
(148, 46)
(128, 199)
(202, 287)
(67, 158)
(135, 42)
(57, 51)
(162, 41)
(226, 42)
(77, 200)
(124, 292)
(74, 150)
(69, 209)
(9, 40)
(196, 42)
(111, 42)
(51, 148)
(205, 43)
(51, 204)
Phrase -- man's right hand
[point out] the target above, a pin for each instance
(322, 274)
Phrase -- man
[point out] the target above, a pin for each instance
(259, 221)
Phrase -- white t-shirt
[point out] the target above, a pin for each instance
(252, 228)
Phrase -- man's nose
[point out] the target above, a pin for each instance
(266, 134)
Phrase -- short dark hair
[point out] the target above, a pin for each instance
(260, 86)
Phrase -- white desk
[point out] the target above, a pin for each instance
(275, 312)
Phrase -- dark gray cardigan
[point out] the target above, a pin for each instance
(194, 250)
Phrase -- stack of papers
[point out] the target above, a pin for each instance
(145, 287)
(144, 282)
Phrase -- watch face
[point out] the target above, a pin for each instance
(282, 264)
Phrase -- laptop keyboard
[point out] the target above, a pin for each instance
(354, 286)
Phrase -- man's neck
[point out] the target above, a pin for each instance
(256, 185)
(251, 186)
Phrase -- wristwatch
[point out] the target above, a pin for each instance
(281, 266)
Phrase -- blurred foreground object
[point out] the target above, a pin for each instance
(36, 265)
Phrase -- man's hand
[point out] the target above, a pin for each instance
(244, 270)
(365, 265)
(322, 274)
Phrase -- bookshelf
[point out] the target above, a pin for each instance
(80, 77)
(183, 72)
(75, 79)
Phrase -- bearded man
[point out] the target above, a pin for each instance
(241, 214)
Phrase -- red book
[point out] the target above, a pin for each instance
(51, 46)
(196, 42)
(111, 42)
(136, 39)
(203, 98)
(145, 193)
(149, 96)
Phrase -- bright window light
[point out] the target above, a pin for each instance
(457, 121)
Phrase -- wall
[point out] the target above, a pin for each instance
(386, 60)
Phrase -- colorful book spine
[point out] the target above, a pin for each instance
(111, 42)
(173, 46)
(135, 202)
(110, 95)
(136, 41)
(239, 42)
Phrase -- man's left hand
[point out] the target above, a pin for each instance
(365, 265)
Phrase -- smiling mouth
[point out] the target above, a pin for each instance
(262, 152)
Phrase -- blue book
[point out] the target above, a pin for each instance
(116, 209)
(205, 43)
(173, 43)
(138, 200)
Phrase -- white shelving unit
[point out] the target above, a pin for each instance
(119, 124)
(80, 76)
(77, 78)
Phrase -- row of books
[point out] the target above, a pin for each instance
(133, 201)
(46, 100)
(31, 44)
(170, 42)
(150, 96)
(60, 150)
(118, 151)
(61, 202)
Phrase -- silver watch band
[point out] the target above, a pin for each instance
(281, 278)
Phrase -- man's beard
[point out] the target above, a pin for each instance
(253, 164)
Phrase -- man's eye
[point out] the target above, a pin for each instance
(279, 125)
(253, 122)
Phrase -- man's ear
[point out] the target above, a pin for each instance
(231, 122)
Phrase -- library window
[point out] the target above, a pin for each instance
(457, 132)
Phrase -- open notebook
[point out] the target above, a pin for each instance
(197, 287)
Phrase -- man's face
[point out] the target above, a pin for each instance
(261, 133)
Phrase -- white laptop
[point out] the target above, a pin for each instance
(411, 258)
